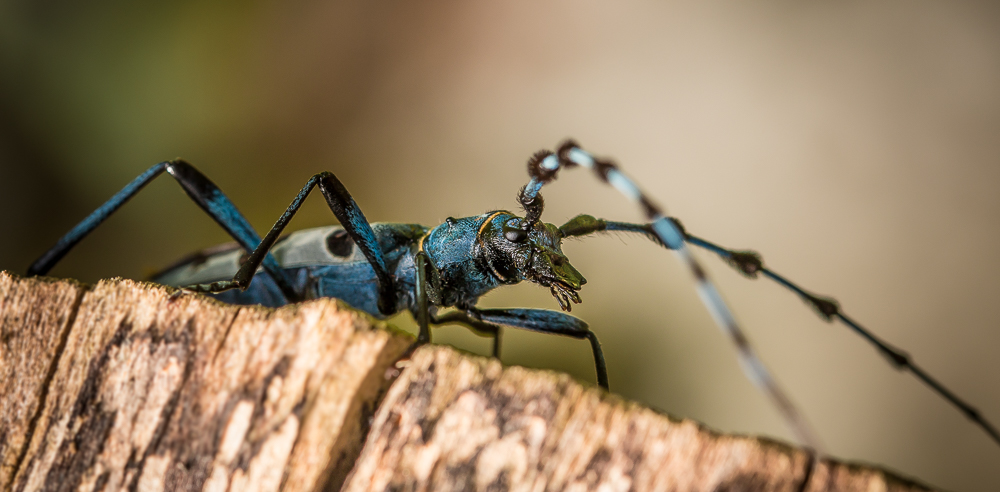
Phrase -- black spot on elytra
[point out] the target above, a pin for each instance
(198, 258)
(339, 243)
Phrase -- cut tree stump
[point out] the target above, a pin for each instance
(120, 386)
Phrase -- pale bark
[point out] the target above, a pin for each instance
(453, 422)
(160, 393)
(123, 387)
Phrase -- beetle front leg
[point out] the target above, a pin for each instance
(463, 318)
(424, 290)
(546, 321)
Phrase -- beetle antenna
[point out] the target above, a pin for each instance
(532, 206)
(543, 167)
(749, 263)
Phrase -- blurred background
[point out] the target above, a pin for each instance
(855, 145)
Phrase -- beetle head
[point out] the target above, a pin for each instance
(514, 254)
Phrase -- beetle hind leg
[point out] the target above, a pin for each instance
(200, 189)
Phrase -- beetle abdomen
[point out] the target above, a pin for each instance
(320, 262)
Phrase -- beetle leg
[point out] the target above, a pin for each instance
(539, 320)
(202, 190)
(423, 314)
(463, 318)
(354, 222)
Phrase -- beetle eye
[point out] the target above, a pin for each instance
(515, 235)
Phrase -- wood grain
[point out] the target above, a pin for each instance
(155, 393)
(35, 316)
(452, 422)
(122, 386)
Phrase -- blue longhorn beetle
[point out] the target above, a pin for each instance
(386, 268)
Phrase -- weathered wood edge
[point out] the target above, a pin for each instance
(452, 421)
(243, 399)
(30, 342)
(151, 392)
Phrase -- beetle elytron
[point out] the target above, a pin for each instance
(387, 268)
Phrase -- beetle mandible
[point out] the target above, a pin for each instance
(386, 268)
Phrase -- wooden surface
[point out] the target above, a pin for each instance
(34, 321)
(121, 387)
(453, 422)
(154, 393)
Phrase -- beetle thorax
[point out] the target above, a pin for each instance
(474, 255)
